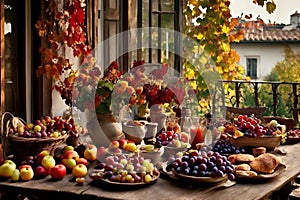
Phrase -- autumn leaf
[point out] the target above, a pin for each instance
(270, 6)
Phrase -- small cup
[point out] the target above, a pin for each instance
(151, 130)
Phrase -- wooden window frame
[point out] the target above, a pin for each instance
(177, 27)
(2, 71)
(250, 67)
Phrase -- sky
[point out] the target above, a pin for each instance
(284, 8)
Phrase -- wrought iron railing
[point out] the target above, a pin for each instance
(280, 98)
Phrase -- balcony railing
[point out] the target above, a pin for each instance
(280, 98)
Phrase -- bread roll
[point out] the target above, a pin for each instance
(245, 173)
(244, 158)
(258, 151)
(244, 167)
(265, 163)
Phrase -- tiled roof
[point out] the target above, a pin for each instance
(253, 34)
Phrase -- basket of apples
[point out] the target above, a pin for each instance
(21, 139)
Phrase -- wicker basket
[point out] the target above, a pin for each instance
(21, 147)
(269, 142)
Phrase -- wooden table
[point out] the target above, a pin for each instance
(163, 188)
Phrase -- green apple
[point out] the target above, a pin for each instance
(7, 169)
(79, 170)
(48, 162)
(90, 153)
(70, 163)
(26, 172)
(16, 175)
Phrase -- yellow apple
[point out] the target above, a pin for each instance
(131, 147)
(48, 162)
(79, 170)
(90, 153)
(7, 169)
(26, 172)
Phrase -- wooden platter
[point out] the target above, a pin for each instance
(204, 180)
(261, 177)
(110, 185)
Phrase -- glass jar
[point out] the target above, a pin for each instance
(196, 132)
(186, 120)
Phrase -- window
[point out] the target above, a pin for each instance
(158, 14)
(252, 65)
(122, 16)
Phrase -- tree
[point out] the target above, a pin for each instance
(210, 23)
(287, 70)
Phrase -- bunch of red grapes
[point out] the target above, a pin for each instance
(202, 164)
(166, 138)
(250, 126)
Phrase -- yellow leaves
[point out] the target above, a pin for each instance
(200, 36)
(225, 29)
(190, 74)
(225, 47)
(203, 60)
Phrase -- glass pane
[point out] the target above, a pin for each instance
(11, 44)
(145, 14)
(167, 5)
(154, 5)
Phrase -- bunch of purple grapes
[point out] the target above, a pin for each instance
(225, 147)
(202, 164)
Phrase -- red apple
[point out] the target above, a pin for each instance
(114, 145)
(82, 161)
(40, 172)
(58, 172)
(41, 155)
(122, 143)
(71, 154)
(101, 152)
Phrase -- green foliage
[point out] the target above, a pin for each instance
(287, 70)
(210, 23)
